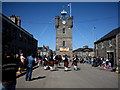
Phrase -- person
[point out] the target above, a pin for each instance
(107, 61)
(31, 62)
(111, 63)
(25, 63)
(9, 68)
(56, 58)
(22, 58)
(66, 63)
(101, 61)
(97, 61)
(107, 64)
(51, 62)
(38, 62)
(46, 63)
(94, 62)
(59, 59)
(81, 60)
(17, 58)
(75, 61)
(114, 68)
(84, 60)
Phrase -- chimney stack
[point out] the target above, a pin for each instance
(15, 19)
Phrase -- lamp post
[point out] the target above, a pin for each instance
(93, 39)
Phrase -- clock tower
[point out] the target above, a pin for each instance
(64, 26)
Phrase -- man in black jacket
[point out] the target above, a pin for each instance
(9, 68)
(75, 61)
(66, 62)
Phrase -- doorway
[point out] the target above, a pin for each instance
(111, 55)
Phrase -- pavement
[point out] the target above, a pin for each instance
(24, 72)
(86, 77)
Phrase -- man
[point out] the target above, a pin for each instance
(56, 61)
(75, 61)
(9, 68)
(31, 62)
(66, 63)
(46, 63)
(51, 62)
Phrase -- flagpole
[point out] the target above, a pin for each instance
(70, 10)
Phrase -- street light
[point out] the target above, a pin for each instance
(93, 39)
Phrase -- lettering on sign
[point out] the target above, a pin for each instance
(64, 49)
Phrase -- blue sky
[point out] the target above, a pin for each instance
(38, 18)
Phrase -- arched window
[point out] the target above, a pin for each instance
(63, 30)
(63, 43)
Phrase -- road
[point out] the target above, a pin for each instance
(86, 77)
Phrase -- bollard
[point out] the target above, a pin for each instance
(116, 69)
(19, 70)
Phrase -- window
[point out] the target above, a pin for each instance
(110, 43)
(96, 46)
(63, 30)
(20, 35)
(102, 46)
(45, 49)
(14, 33)
(63, 43)
(25, 38)
(83, 54)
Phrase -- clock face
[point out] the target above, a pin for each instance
(63, 22)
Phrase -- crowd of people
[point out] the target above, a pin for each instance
(53, 62)
(12, 62)
(106, 63)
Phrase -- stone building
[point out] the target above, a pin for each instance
(45, 50)
(109, 45)
(84, 52)
(64, 26)
(15, 39)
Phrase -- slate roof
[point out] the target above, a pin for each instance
(111, 34)
(79, 49)
(83, 50)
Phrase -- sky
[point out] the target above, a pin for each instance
(38, 18)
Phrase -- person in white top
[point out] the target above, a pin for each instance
(45, 59)
(22, 58)
(55, 58)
